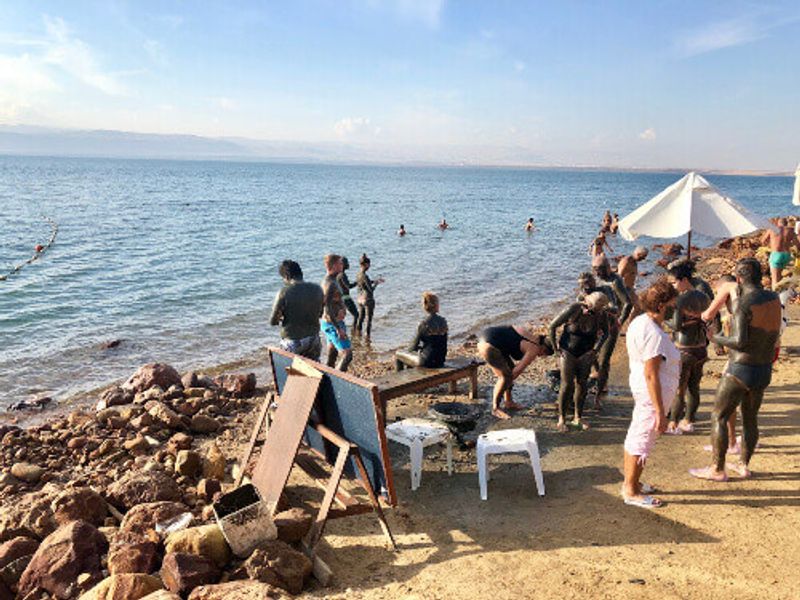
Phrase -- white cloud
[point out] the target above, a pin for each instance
(648, 134)
(715, 36)
(519, 66)
(76, 58)
(23, 80)
(355, 127)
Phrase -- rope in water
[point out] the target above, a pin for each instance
(40, 250)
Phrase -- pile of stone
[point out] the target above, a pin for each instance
(117, 504)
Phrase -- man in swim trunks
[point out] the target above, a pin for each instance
(689, 335)
(628, 269)
(751, 346)
(619, 308)
(780, 245)
(498, 346)
(297, 309)
(334, 311)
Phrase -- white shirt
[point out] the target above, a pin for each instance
(645, 340)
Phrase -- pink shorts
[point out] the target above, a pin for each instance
(641, 434)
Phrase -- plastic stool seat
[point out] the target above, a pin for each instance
(418, 434)
(506, 441)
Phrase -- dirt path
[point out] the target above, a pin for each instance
(734, 540)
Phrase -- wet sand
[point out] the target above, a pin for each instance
(734, 540)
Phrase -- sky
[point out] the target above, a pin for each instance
(712, 84)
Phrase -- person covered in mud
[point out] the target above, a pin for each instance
(500, 347)
(628, 269)
(614, 224)
(346, 286)
(780, 243)
(596, 248)
(297, 309)
(751, 352)
(366, 298)
(585, 328)
(333, 315)
(619, 308)
(691, 338)
(654, 371)
(429, 347)
(605, 223)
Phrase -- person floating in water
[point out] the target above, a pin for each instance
(780, 244)
(530, 226)
(402, 231)
(443, 224)
(498, 346)
(429, 348)
(366, 298)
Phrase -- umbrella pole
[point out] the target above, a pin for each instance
(689, 242)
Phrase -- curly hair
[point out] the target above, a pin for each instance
(658, 295)
(430, 302)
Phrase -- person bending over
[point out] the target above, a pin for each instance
(500, 347)
(429, 348)
(585, 328)
(297, 309)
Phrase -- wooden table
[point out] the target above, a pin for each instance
(414, 380)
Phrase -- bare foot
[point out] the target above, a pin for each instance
(741, 470)
(686, 426)
(709, 473)
(561, 426)
(500, 414)
(511, 405)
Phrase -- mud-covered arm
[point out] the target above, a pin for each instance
(675, 320)
(417, 341)
(624, 299)
(276, 318)
(564, 316)
(737, 341)
(602, 323)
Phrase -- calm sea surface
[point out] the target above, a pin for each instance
(179, 258)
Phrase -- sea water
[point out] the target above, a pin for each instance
(179, 259)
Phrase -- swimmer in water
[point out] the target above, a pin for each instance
(443, 224)
(530, 226)
(402, 231)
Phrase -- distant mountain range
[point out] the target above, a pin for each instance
(32, 140)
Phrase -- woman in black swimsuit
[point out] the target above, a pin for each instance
(585, 329)
(500, 347)
(366, 298)
(429, 348)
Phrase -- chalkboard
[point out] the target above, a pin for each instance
(350, 407)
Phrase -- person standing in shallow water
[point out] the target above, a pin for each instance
(297, 309)
(585, 329)
(346, 286)
(366, 298)
(530, 226)
(429, 348)
(751, 352)
(333, 314)
(402, 231)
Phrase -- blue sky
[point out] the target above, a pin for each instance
(648, 84)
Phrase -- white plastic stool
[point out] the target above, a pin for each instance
(506, 441)
(418, 434)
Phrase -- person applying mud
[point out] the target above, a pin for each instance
(429, 348)
(780, 243)
(751, 351)
(346, 286)
(333, 315)
(500, 347)
(585, 328)
(689, 335)
(366, 298)
(619, 308)
(297, 309)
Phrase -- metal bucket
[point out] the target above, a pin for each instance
(245, 519)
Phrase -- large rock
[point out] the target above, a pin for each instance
(188, 463)
(214, 463)
(17, 548)
(143, 518)
(133, 557)
(72, 550)
(163, 414)
(182, 572)
(238, 386)
(137, 487)
(237, 590)
(27, 472)
(29, 515)
(151, 375)
(277, 563)
(126, 586)
(204, 424)
(292, 524)
(115, 396)
(206, 540)
(80, 503)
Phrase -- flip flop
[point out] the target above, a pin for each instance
(707, 473)
(674, 431)
(643, 502)
(648, 489)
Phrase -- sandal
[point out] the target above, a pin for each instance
(645, 501)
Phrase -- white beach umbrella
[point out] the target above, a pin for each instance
(690, 205)
(796, 196)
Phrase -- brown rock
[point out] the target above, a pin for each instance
(28, 515)
(188, 463)
(292, 524)
(27, 472)
(71, 550)
(277, 563)
(163, 414)
(135, 557)
(207, 488)
(144, 517)
(162, 595)
(182, 572)
(194, 392)
(137, 446)
(137, 487)
(214, 463)
(204, 424)
(151, 375)
(77, 442)
(80, 503)
(124, 586)
(5, 592)
(116, 396)
(206, 540)
(238, 386)
(11, 573)
(179, 441)
(16, 548)
(237, 590)
(189, 380)
(142, 421)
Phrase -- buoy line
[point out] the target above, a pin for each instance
(39, 250)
